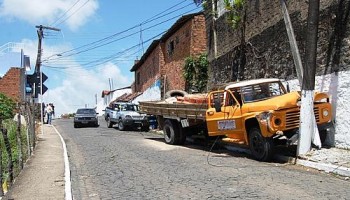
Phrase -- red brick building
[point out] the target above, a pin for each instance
(12, 84)
(165, 58)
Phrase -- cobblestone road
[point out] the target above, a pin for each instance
(110, 164)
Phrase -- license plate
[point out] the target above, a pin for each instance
(84, 122)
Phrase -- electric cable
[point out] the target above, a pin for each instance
(64, 13)
(104, 41)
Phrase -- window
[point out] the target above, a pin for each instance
(171, 47)
(138, 78)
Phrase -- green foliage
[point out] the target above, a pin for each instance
(11, 127)
(195, 72)
(7, 106)
(236, 12)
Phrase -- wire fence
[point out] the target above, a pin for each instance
(17, 142)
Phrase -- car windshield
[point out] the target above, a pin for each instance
(262, 91)
(86, 111)
(129, 107)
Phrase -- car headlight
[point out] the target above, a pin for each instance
(128, 117)
(325, 113)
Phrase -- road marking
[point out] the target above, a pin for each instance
(68, 184)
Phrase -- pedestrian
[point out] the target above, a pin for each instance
(49, 113)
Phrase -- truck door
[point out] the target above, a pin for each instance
(224, 114)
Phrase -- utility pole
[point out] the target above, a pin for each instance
(307, 119)
(40, 33)
(292, 42)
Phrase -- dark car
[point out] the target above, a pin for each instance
(85, 117)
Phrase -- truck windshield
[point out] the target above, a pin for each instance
(129, 107)
(262, 91)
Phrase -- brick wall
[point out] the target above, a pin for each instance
(149, 71)
(166, 63)
(12, 83)
(190, 40)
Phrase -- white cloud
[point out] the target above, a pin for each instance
(80, 86)
(48, 12)
(71, 85)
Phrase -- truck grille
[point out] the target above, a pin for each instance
(292, 118)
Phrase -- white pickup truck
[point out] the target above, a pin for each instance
(126, 116)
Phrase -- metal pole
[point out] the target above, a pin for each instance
(292, 42)
(41, 103)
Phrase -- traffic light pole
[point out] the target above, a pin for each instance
(38, 70)
(41, 103)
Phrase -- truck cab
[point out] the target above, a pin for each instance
(257, 112)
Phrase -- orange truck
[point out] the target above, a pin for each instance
(258, 114)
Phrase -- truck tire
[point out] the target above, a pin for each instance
(121, 126)
(171, 132)
(260, 147)
(175, 93)
(109, 123)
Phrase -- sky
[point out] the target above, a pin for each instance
(97, 44)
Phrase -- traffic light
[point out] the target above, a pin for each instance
(34, 85)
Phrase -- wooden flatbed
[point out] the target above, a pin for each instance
(174, 110)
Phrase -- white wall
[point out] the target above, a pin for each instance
(337, 86)
(103, 103)
(153, 93)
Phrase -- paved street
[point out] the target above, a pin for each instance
(110, 164)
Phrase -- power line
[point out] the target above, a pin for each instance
(118, 39)
(98, 42)
(73, 13)
(65, 13)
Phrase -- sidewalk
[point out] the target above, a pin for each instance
(333, 160)
(43, 176)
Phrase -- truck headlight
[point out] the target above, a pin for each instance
(325, 112)
(264, 116)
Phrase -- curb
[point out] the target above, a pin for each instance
(329, 168)
(67, 175)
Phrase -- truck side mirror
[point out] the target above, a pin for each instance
(217, 105)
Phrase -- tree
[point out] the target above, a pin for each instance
(195, 73)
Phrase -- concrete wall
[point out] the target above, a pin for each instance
(267, 54)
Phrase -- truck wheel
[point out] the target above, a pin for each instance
(171, 132)
(260, 147)
(121, 126)
(109, 123)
